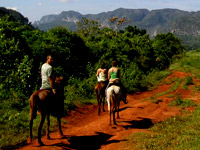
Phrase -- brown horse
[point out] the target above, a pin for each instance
(100, 95)
(46, 103)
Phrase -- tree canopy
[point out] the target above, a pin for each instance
(23, 49)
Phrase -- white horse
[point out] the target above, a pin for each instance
(114, 95)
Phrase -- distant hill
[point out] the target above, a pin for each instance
(14, 15)
(184, 24)
(155, 21)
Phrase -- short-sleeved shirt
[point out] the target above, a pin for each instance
(46, 72)
(102, 75)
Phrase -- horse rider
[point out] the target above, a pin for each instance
(47, 75)
(102, 73)
(102, 76)
(114, 77)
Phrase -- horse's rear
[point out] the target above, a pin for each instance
(114, 95)
(100, 95)
(39, 102)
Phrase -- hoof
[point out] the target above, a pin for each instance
(125, 101)
(61, 133)
(41, 143)
(29, 141)
(62, 136)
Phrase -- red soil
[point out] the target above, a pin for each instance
(85, 130)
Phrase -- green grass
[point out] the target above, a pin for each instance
(176, 133)
(181, 132)
(187, 81)
(176, 84)
(14, 128)
(189, 63)
(183, 103)
(156, 78)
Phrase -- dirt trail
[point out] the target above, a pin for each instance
(86, 130)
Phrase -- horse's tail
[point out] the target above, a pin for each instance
(33, 105)
(110, 94)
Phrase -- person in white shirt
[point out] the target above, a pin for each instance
(102, 73)
(47, 75)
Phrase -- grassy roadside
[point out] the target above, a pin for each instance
(176, 133)
(180, 132)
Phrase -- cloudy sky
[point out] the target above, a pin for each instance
(35, 9)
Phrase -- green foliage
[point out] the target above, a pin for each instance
(165, 47)
(80, 89)
(77, 56)
(137, 53)
(87, 27)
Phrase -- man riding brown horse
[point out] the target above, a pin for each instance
(48, 100)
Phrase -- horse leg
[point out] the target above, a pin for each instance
(48, 125)
(110, 112)
(33, 113)
(114, 121)
(99, 105)
(59, 124)
(103, 101)
(98, 101)
(118, 109)
(111, 105)
(42, 119)
(31, 126)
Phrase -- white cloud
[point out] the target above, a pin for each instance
(39, 4)
(13, 8)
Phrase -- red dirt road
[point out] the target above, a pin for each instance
(86, 130)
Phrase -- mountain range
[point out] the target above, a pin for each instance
(184, 24)
(154, 21)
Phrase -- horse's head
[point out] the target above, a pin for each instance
(59, 81)
(59, 85)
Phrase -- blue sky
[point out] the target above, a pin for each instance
(35, 9)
